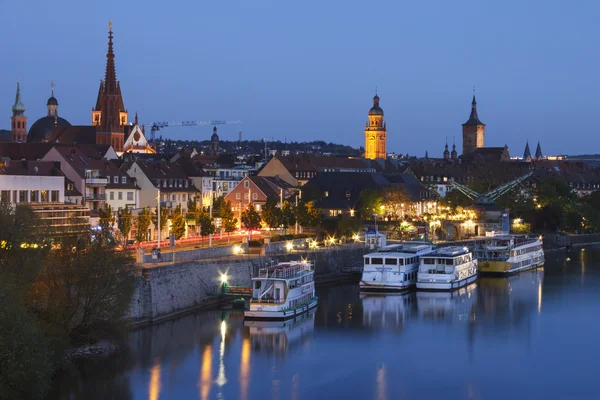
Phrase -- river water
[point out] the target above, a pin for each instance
(534, 335)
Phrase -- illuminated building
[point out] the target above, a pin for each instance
(18, 119)
(375, 132)
(473, 131)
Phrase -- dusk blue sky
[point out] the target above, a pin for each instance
(308, 69)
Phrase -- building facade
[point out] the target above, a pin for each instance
(473, 131)
(375, 132)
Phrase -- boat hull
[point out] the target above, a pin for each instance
(445, 286)
(384, 287)
(502, 268)
(282, 315)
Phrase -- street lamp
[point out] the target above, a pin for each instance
(158, 213)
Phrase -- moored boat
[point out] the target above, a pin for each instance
(394, 268)
(503, 255)
(447, 269)
(282, 291)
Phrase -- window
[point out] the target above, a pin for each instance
(115, 179)
(238, 196)
(258, 207)
(34, 196)
(120, 195)
(15, 196)
(246, 184)
(22, 196)
(377, 261)
(391, 261)
(44, 196)
(111, 195)
(326, 193)
(245, 196)
(254, 196)
(186, 183)
(54, 196)
(173, 198)
(123, 179)
(367, 261)
(129, 196)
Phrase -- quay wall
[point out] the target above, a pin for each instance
(167, 290)
(197, 254)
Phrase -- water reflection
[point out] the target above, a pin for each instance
(387, 310)
(154, 386)
(462, 339)
(279, 336)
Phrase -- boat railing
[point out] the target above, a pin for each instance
(268, 300)
(284, 273)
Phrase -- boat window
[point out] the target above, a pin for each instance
(449, 261)
(257, 284)
(367, 261)
(401, 261)
(391, 261)
(429, 261)
(378, 261)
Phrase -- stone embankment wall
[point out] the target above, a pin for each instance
(167, 290)
(198, 254)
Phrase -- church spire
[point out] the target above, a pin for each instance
(538, 152)
(18, 108)
(527, 153)
(110, 77)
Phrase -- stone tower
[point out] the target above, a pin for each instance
(375, 132)
(214, 141)
(18, 119)
(110, 115)
(473, 131)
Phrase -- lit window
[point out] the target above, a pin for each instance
(246, 184)
(326, 193)
(237, 196)
(115, 179)
(254, 196)
(123, 179)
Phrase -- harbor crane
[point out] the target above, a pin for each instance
(156, 126)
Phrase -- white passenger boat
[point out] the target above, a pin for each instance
(394, 268)
(282, 291)
(504, 254)
(447, 269)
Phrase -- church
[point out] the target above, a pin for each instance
(109, 123)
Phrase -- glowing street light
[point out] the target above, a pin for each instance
(223, 278)
(289, 246)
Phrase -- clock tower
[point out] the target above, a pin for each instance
(375, 132)
(473, 131)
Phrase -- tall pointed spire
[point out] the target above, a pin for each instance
(18, 108)
(110, 77)
(527, 153)
(538, 152)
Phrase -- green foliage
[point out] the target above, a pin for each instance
(348, 226)
(124, 222)
(178, 223)
(107, 219)
(206, 224)
(192, 210)
(307, 214)
(271, 213)
(455, 198)
(250, 218)
(165, 212)
(221, 207)
(370, 203)
(25, 352)
(392, 200)
(288, 216)
(142, 223)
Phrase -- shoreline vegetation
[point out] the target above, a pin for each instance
(57, 294)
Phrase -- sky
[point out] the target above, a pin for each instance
(308, 70)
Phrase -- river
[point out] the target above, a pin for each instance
(533, 335)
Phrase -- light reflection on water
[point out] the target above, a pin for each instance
(376, 346)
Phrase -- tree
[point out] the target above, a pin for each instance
(206, 224)
(228, 221)
(178, 223)
(307, 214)
(369, 203)
(288, 217)
(250, 218)
(229, 225)
(164, 216)
(348, 226)
(107, 219)
(142, 223)
(220, 207)
(395, 201)
(271, 213)
(83, 290)
(124, 223)
(455, 198)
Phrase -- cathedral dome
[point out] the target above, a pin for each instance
(41, 130)
(376, 110)
(52, 101)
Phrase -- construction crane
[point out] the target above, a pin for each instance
(490, 196)
(156, 126)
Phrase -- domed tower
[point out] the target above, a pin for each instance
(446, 152)
(52, 103)
(473, 131)
(18, 119)
(454, 154)
(375, 132)
(214, 141)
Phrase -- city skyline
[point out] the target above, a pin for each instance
(320, 84)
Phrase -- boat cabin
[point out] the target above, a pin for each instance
(444, 260)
